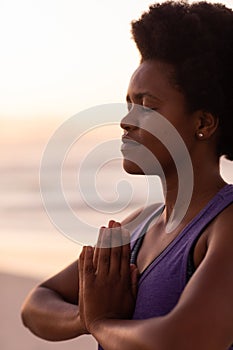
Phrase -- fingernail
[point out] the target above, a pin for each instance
(117, 224)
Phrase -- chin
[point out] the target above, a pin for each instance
(132, 168)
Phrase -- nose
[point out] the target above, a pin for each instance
(130, 120)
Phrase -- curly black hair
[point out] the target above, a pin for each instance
(197, 40)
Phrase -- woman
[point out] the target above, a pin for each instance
(178, 291)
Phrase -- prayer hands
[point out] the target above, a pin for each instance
(107, 281)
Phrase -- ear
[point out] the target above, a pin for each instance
(207, 125)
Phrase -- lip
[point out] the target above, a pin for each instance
(128, 143)
(128, 140)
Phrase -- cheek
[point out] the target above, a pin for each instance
(162, 160)
(155, 130)
(159, 133)
(186, 135)
(152, 143)
(148, 158)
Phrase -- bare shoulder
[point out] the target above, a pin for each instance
(208, 294)
(221, 231)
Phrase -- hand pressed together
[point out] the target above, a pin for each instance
(108, 283)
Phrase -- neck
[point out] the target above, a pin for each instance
(185, 197)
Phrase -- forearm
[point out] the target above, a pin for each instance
(151, 334)
(49, 317)
(159, 333)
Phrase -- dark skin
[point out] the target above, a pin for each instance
(192, 324)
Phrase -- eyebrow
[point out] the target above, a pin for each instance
(141, 95)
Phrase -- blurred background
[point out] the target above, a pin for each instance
(58, 57)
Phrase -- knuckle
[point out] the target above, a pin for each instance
(105, 259)
(116, 253)
(88, 269)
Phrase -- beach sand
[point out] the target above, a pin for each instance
(27, 259)
(13, 335)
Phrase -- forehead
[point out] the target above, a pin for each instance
(153, 77)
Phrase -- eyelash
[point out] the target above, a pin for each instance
(147, 109)
(144, 108)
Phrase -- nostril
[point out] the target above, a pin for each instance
(125, 133)
(123, 125)
(129, 122)
(126, 126)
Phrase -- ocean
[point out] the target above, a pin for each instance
(40, 233)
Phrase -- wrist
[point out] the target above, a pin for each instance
(95, 326)
(82, 330)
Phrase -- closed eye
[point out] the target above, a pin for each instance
(130, 106)
(148, 109)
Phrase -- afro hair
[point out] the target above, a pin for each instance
(197, 40)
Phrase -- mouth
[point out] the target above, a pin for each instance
(128, 143)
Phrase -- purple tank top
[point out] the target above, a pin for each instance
(162, 282)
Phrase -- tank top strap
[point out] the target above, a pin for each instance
(192, 231)
(140, 231)
(215, 206)
(219, 202)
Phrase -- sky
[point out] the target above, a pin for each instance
(59, 57)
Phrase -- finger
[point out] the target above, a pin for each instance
(115, 262)
(88, 267)
(111, 223)
(104, 253)
(125, 254)
(134, 273)
(97, 247)
(80, 266)
(125, 236)
(80, 301)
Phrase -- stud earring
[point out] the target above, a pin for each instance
(200, 135)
